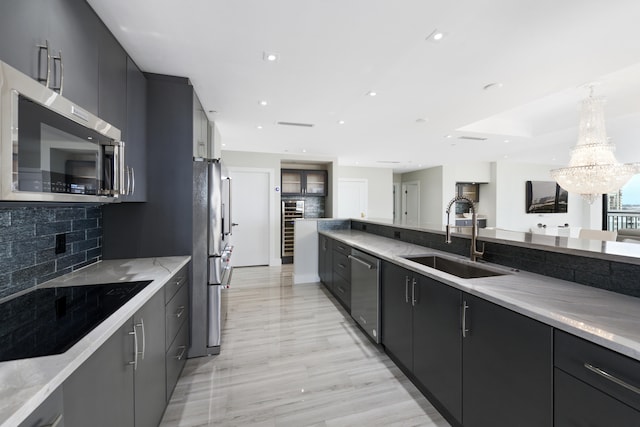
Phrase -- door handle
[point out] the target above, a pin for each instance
(464, 319)
(413, 292)
(406, 289)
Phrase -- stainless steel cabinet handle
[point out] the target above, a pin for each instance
(611, 378)
(406, 289)
(183, 349)
(341, 247)
(340, 289)
(144, 338)
(60, 88)
(341, 265)
(413, 292)
(133, 181)
(55, 423)
(180, 311)
(135, 349)
(44, 47)
(464, 319)
(366, 264)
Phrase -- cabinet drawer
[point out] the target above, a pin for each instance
(177, 312)
(342, 265)
(176, 358)
(343, 248)
(175, 284)
(342, 290)
(579, 404)
(599, 367)
(49, 411)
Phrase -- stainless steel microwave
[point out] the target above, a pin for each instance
(52, 150)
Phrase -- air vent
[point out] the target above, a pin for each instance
(472, 138)
(304, 125)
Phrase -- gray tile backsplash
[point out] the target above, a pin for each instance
(28, 239)
(313, 205)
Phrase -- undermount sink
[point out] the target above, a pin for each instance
(456, 268)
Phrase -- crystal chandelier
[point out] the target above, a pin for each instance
(593, 169)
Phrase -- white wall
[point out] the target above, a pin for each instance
(380, 188)
(510, 179)
(432, 194)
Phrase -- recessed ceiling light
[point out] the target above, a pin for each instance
(304, 150)
(494, 85)
(223, 144)
(259, 127)
(506, 157)
(436, 35)
(448, 136)
(270, 56)
(506, 141)
(263, 103)
(340, 122)
(371, 93)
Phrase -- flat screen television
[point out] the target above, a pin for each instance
(546, 197)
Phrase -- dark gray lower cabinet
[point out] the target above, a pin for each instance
(324, 261)
(437, 343)
(48, 413)
(149, 377)
(116, 386)
(100, 391)
(579, 404)
(397, 314)
(507, 367)
(594, 386)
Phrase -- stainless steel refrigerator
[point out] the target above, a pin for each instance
(211, 256)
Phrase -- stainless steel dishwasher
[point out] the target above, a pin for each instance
(365, 292)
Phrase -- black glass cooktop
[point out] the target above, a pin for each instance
(49, 321)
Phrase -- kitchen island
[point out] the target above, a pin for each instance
(551, 351)
(26, 383)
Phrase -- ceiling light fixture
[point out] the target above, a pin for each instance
(435, 36)
(340, 122)
(270, 56)
(371, 93)
(263, 103)
(593, 169)
(259, 127)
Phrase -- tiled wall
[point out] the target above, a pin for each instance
(610, 275)
(27, 243)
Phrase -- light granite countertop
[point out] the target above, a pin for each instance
(26, 383)
(603, 317)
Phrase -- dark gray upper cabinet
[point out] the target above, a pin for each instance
(73, 30)
(112, 79)
(507, 367)
(24, 25)
(135, 133)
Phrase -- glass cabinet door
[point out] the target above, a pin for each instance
(316, 182)
(291, 182)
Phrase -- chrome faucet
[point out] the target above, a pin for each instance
(475, 254)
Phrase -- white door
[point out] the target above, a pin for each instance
(411, 203)
(397, 202)
(352, 198)
(250, 204)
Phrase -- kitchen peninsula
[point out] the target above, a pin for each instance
(543, 343)
(26, 384)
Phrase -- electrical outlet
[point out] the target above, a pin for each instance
(396, 234)
(61, 243)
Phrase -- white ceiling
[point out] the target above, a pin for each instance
(333, 52)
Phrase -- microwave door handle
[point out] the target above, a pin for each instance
(133, 181)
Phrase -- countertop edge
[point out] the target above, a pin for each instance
(67, 362)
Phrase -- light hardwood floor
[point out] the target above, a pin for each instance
(292, 357)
